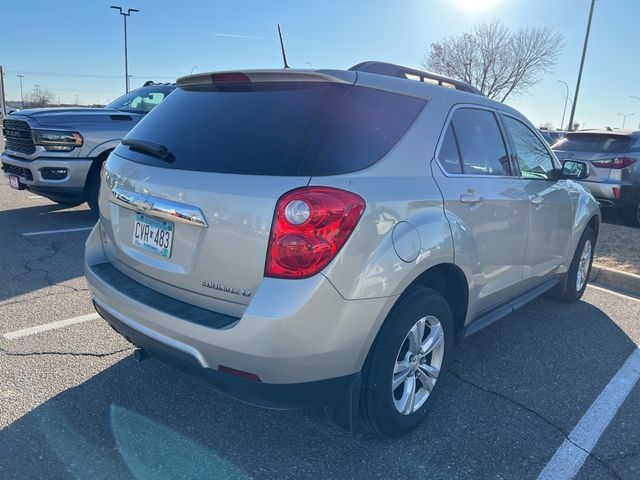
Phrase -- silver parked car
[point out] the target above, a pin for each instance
(614, 167)
(327, 237)
(58, 152)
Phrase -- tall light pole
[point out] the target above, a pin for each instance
(584, 53)
(126, 61)
(624, 118)
(192, 69)
(566, 97)
(637, 98)
(21, 95)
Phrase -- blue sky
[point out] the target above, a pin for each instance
(76, 47)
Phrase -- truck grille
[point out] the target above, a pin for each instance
(17, 171)
(17, 135)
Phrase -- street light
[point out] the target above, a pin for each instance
(21, 95)
(624, 118)
(126, 62)
(637, 98)
(584, 53)
(566, 97)
(192, 69)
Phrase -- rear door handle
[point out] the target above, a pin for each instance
(472, 198)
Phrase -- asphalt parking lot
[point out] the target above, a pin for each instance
(74, 403)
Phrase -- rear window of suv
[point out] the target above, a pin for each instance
(282, 128)
(593, 142)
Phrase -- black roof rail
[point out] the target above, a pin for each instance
(392, 70)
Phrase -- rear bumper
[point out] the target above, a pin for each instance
(605, 194)
(333, 391)
(295, 335)
(38, 175)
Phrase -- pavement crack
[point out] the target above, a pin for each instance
(541, 417)
(64, 354)
(70, 288)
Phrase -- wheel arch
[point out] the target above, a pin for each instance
(449, 281)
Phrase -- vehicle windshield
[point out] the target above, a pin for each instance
(141, 100)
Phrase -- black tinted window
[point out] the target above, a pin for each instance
(593, 142)
(449, 155)
(281, 128)
(480, 142)
(534, 159)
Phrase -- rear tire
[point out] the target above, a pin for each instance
(574, 283)
(414, 358)
(633, 216)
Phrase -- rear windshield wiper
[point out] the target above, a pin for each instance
(155, 149)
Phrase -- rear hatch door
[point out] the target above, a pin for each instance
(593, 147)
(188, 199)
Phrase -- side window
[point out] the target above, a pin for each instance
(449, 155)
(480, 142)
(534, 159)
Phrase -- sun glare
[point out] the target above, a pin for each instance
(475, 5)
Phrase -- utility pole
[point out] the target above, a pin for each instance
(21, 95)
(584, 53)
(3, 111)
(126, 61)
(566, 97)
(624, 118)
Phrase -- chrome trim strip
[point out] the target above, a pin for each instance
(158, 207)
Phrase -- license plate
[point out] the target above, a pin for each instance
(14, 183)
(153, 235)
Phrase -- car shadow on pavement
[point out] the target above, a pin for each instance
(517, 389)
(30, 263)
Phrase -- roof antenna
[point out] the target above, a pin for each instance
(284, 54)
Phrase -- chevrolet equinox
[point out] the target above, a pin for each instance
(327, 237)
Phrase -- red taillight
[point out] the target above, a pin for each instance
(615, 163)
(310, 225)
(226, 78)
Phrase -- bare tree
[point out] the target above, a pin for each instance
(39, 97)
(496, 60)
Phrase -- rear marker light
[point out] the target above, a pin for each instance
(310, 226)
(616, 192)
(239, 373)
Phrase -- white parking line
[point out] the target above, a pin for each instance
(25, 332)
(573, 452)
(613, 292)
(64, 230)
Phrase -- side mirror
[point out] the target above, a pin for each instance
(574, 170)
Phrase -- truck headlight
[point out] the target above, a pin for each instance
(57, 140)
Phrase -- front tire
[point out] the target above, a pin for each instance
(408, 362)
(574, 283)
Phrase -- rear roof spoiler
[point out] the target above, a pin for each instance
(408, 73)
(257, 76)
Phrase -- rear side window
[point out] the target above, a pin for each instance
(282, 128)
(593, 142)
(480, 145)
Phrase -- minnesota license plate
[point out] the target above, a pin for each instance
(153, 235)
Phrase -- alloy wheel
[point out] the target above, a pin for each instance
(418, 365)
(583, 266)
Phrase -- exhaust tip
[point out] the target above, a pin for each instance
(140, 354)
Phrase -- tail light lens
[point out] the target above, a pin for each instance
(615, 163)
(310, 226)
